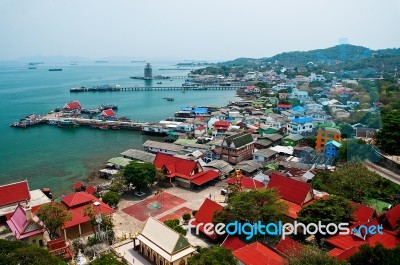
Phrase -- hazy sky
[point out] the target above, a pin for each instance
(189, 29)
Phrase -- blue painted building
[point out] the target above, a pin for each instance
(332, 149)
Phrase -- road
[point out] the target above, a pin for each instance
(383, 172)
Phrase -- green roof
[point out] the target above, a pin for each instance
(239, 139)
(335, 143)
(377, 205)
(185, 141)
(119, 161)
(181, 243)
(267, 131)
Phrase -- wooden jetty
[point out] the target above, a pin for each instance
(155, 88)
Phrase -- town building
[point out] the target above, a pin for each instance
(162, 245)
(314, 77)
(292, 139)
(332, 149)
(326, 134)
(148, 72)
(258, 254)
(300, 125)
(236, 148)
(264, 155)
(205, 215)
(165, 148)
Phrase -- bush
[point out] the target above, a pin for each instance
(92, 240)
(186, 217)
(111, 198)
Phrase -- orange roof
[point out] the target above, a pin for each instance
(77, 198)
(258, 254)
(14, 192)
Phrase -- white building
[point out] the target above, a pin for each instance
(299, 126)
(314, 77)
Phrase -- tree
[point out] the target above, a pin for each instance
(215, 255)
(377, 255)
(388, 138)
(111, 198)
(256, 205)
(313, 256)
(17, 252)
(118, 184)
(346, 130)
(174, 224)
(54, 215)
(107, 259)
(186, 217)
(331, 210)
(140, 174)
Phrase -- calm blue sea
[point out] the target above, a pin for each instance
(55, 157)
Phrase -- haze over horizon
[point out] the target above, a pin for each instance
(198, 30)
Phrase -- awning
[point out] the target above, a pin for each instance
(210, 175)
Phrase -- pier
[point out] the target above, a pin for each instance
(155, 88)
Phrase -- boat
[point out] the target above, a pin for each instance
(32, 67)
(55, 69)
(170, 99)
(159, 83)
(67, 124)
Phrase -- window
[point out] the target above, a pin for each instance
(323, 135)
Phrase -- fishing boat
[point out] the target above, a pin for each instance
(170, 99)
(67, 124)
(55, 69)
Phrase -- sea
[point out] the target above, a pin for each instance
(55, 157)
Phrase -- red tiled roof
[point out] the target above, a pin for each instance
(78, 216)
(392, 216)
(56, 244)
(293, 209)
(200, 128)
(90, 190)
(78, 185)
(258, 254)
(388, 240)
(107, 113)
(204, 176)
(362, 213)
(232, 243)
(77, 198)
(14, 192)
(205, 214)
(289, 189)
(222, 124)
(288, 246)
(284, 106)
(247, 182)
(73, 105)
(176, 166)
(341, 254)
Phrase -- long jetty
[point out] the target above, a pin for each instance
(154, 88)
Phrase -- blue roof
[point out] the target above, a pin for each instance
(201, 110)
(298, 108)
(185, 108)
(302, 120)
(335, 143)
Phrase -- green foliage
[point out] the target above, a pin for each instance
(17, 252)
(355, 182)
(174, 224)
(388, 138)
(309, 141)
(186, 217)
(53, 215)
(118, 184)
(215, 255)
(140, 174)
(313, 256)
(256, 205)
(377, 255)
(107, 259)
(331, 210)
(346, 130)
(111, 198)
(92, 240)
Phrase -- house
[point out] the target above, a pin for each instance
(248, 167)
(186, 173)
(262, 144)
(281, 107)
(313, 106)
(232, 243)
(72, 106)
(162, 245)
(205, 215)
(18, 193)
(80, 224)
(26, 226)
(292, 139)
(139, 155)
(200, 130)
(324, 135)
(318, 116)
(289, 115)
(365, 133)
(332, 149)
(282, 150)
(243, 182)
(224, 168)
(314, 77)
(275, 138)
(221, 126)
(236, 148)
(264, 155)
(299, 109)
(165, 148)
(258, 254)
(300, 95)
(283, 95)
(107, 114)
(300, 125)
(118, 162)
(263, 130)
